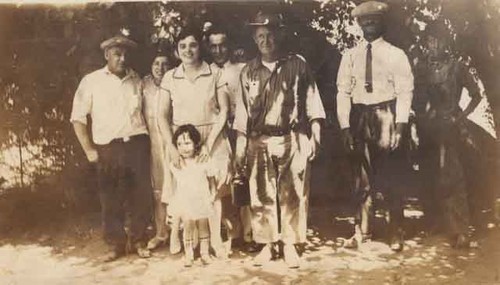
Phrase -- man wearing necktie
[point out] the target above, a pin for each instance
(375, 90)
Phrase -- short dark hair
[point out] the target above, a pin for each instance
(218, 29)
(193, 133)
(187, 32)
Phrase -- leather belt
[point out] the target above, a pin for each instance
(128, 138)
(270, 133)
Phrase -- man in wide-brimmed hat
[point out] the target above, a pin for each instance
(119, 147)
(278, 125)
(375, 90)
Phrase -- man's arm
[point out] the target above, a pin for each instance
(83, 137)
(344, 86)
(403, 85)
(82, 104)
(241, 122)
(471, 83)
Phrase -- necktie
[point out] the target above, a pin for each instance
(368, 71)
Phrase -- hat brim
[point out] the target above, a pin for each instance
(113, 42)
(266, 25)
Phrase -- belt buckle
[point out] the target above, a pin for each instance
(126, 139)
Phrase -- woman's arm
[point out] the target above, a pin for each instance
(165, 125)
(223, 98)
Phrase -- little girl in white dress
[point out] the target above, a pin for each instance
(194, 193)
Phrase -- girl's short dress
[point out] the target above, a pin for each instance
(191, 199)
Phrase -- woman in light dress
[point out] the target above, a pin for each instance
(151, 83)
(194, 93)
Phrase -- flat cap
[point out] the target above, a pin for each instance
(267, 19)
(369, 8)
(118, 40)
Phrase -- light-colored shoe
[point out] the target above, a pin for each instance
(291, 256)
(156, 242)
(264, 256)
(205, 259)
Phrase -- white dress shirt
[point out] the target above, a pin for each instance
(230, 73)
(114, 104)
(392, 78)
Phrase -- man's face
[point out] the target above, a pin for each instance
(116, 58)
(218, 48)
(436, 48)
(159, 67)
(372, 25)
(266, 40)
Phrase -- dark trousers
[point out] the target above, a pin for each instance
(125, 189)
(443, 156)
(375, 166)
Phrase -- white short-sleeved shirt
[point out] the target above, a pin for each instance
(392, 79)
(114, 104)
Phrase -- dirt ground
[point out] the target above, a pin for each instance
(44, 244)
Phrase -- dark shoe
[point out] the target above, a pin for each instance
(113, 254)
(142, 250)
(250, 247)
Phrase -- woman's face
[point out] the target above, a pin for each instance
(159, 67)
(189, 50)
(185, 146)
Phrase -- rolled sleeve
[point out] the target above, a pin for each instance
(314, 105)
(82, 102)
(344, 86)
(403, 86)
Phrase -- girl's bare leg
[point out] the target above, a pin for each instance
(204, 232)
(188, 242)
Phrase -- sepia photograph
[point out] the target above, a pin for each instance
(249, 142)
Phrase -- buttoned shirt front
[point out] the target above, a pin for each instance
(277, 100)
(230, 72)
(194, 102)
(114, 104)
(392, 78)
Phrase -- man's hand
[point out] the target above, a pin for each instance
(314, 148)
(239, 161)
(396, 138)
(92, 155)
(347, 139)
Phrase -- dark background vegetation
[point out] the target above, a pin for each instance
(45, 50)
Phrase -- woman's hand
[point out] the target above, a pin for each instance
(204, 155)
(175, 157)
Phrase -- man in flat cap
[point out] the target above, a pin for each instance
(119, 146)
(278, 125)
(375, 90)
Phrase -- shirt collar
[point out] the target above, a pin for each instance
(129, 73)
(256, 63)
(375, 43)
(205, 70)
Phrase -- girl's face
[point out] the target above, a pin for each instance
(159, 66)
(189, 50)
(185, 145)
